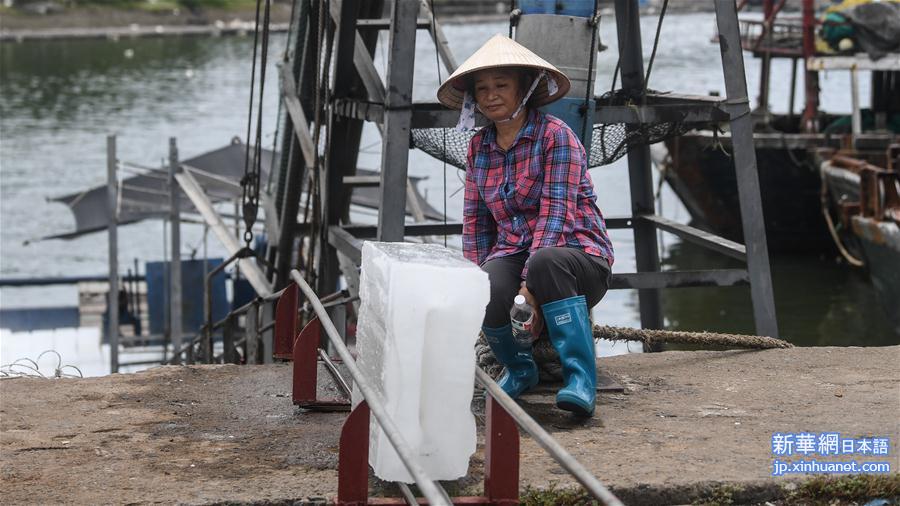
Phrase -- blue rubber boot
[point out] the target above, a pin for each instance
(521, 372)
(569, 326)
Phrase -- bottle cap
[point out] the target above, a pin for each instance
(520, 299)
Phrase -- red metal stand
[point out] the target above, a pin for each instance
(306, 371)
(501, 462)
(287, 321)
(501, 455)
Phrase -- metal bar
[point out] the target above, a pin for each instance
(266, 327)
(248, 267)
(685, 109)
(209, 327)
(344, 134)
(618, 222)
(288, 213)
(346, 243)
(697, 236)
(329, 364)
(112, 306)
(744, 155)
(546, 441)
(362, 59)
(252, 336)
(437, 35)
(856, 118)
(299, 24)
(643, 114)
(362, 180)
(407, 494)
(397, 115)
(385, 23)
(430, 489)
(273, 296)
(355, 109)
(366, 68)
(640, 175)
(298, 118)
(802, 141)
(266, 333)
(175, 317)
(139, 362)
(766, 64)
(61, 280)
(337, 312)
(793, 93)
(809, 123)
(293, 165)
(679, 279)
(229, 348)
(410, 230)
(137, 295)
(177, 352)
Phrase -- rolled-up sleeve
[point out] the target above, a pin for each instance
(479, 227)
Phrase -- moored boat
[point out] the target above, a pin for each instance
(867, 230)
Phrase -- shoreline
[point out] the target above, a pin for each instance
(94, 22)
(105, 22)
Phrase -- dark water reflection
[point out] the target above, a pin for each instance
(66, 80)
(818, 301)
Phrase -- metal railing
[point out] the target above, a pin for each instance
(254, 329)
(783, 37)
(546, 441)
(430, 488)
(565, 459)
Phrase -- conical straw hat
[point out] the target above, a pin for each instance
(502, 51)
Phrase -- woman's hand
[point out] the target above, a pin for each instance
(538, 324)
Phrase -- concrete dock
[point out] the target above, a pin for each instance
(688, 426)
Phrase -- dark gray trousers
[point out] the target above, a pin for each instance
(553, 274)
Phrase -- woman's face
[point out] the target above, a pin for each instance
(497, 93)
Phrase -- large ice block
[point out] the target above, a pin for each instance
(421, 307)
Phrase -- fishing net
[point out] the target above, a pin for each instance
(609, 141)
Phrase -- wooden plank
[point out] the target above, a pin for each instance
(437, 35)
(248, 266)
(295, 111)
(397, 116)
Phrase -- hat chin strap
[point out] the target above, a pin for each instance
(467, 113)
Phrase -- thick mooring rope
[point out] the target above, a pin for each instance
(651, 337)
(548, 360)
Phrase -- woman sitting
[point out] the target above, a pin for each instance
(530, 218)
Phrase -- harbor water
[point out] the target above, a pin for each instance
(60, 99)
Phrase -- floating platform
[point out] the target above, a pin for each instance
(688, 424)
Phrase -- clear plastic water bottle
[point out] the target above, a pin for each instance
(521, 317)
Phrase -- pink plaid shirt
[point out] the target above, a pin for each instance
(537, 194)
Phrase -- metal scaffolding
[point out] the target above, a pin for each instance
(340, 104)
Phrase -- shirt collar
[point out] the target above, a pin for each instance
(528, 130)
